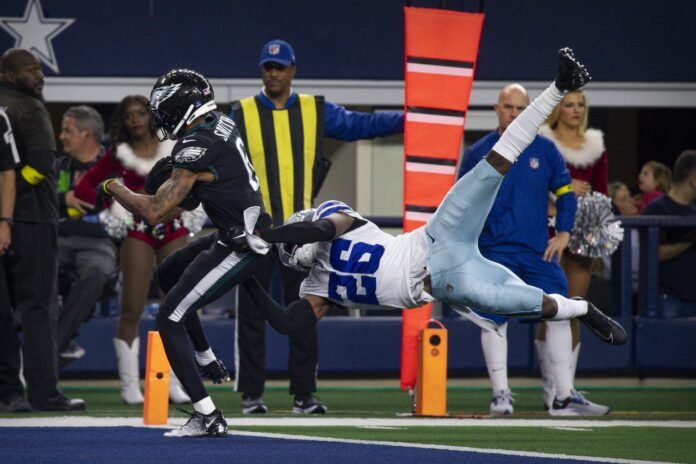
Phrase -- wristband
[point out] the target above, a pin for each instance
(106, 182)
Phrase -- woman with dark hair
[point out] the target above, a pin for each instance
(133, 150)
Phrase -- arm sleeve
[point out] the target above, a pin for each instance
(600, 174)
(299, 233)
(347, 125)
(566, 202)
(85, 189)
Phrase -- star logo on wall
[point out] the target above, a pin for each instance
(35, 33)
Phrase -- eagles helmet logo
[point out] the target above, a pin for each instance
(162, 93)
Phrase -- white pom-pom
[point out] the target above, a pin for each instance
(116, 221)
(194, 220)
(596, 232)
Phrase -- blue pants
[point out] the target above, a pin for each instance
(460, 275)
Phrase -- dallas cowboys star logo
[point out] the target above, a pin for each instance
(35, 33)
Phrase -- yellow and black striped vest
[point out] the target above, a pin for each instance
(285, 148)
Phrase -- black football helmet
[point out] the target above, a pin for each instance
(179, 97)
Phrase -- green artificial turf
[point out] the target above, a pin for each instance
(628, 403)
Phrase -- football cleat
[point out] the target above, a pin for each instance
(604, 327)
(571, 74)
(577, 405)
(215, 371)
(253, 405)
(501, 404)
(308, 404)
(201, 425)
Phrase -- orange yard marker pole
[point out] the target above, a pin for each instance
(156, 406)
(431, 380)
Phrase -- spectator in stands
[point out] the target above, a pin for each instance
(654, 180)
(586, 157)
(85, 250)
(515, 235)
(623, 205)
(296, 123)
(31, 262)
(134, 150)
(677, 252)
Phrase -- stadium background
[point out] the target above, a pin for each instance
(643, 98)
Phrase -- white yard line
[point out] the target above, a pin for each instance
(447, 448)
(82, 421)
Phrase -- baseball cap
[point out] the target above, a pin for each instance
(277, 51)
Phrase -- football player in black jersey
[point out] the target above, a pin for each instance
(209, 164)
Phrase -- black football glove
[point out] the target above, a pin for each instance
(160, 172)
(215, 371)
(158, 175)
(235, 238)
(571, 73)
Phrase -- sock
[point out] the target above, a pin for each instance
(520, 133)
(204, 406)
(558, 344)
(546, 374)
(574, 360)
(495, 350)
(203, 358)
(300, 315)
(567, 308)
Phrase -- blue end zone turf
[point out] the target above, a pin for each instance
(134, 444)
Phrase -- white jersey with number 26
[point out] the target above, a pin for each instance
(369, 268)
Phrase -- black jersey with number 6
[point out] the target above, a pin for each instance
(215, 146)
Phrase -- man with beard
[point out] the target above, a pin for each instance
(30, 263)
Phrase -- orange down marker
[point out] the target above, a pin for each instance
(431, 380)
(156, 406)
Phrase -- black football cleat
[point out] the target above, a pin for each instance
(604, 327)
(308, 404)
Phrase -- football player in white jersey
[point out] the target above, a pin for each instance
(353, 263)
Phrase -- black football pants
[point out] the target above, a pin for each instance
(30, 270)
(251, 345)
(191, 277)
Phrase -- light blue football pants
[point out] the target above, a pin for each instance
(460, 275)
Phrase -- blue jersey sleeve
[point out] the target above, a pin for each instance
(560, 185)
(347, 125)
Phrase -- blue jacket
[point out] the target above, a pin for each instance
(341, 124)
(518, 221)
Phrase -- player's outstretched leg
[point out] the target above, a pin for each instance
(558, 307)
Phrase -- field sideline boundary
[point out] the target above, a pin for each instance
(83, 421)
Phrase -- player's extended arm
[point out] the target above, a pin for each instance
(160, 207)
(298, 233)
